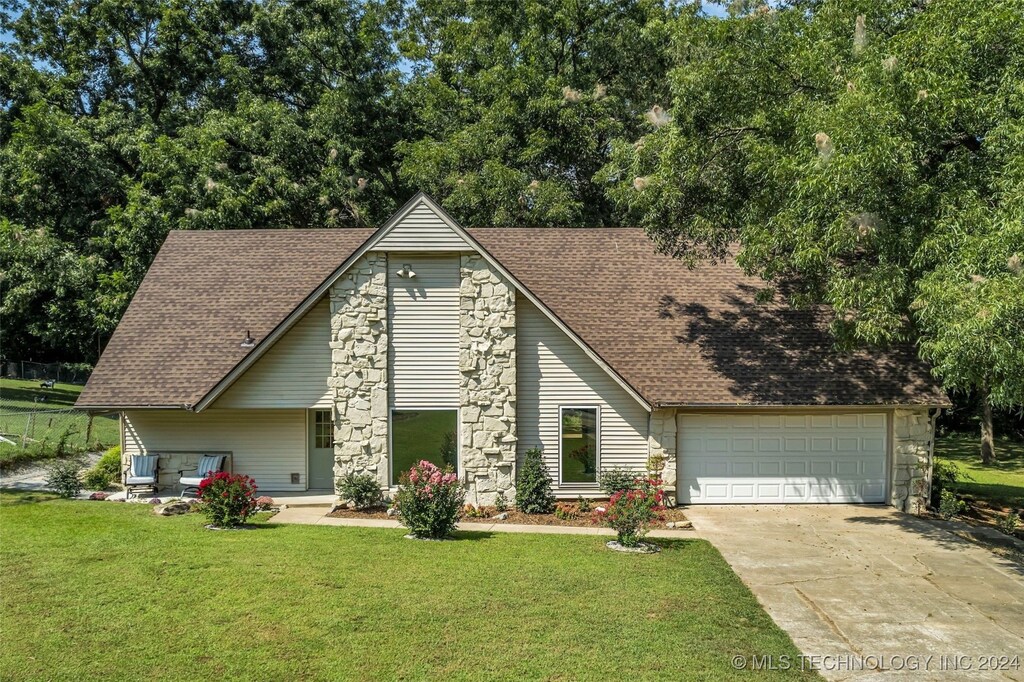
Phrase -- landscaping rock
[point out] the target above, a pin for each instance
(172, 508)
(642, 548)
(154, 500)
(680, 525)
(602, 510)
(99, 495)
(502, 516)
(392, 511)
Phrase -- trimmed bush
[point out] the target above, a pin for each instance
(617, 480)
(362, 490)
(951, 506)
(62, 477)
(227, 499)
(533, 489)
(106, 471)
(429, 500)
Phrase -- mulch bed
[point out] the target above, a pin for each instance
(984, 513)
(514, 516)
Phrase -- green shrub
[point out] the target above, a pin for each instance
(945, 475)
(617, 480)
(362, 490)
(533, 489)
(428, 500)
(950, 505)
(106, 471)
(500, 503)
(1007, 523)
(62, 477)
(585, 505)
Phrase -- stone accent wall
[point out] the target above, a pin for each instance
(359, 368)
(913, 433)
(661, 440)
(487, 387)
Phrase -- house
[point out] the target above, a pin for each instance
(310, 353)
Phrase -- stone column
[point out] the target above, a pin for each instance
(661, 440)
(487, 386)
(913, 433)
(359, 368)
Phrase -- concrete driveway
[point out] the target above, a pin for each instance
(856, 582)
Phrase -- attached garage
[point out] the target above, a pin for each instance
(786, 458)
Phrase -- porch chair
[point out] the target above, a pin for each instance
(142, 472)
(208, 464)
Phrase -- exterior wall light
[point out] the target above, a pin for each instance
(406, 272)
(248, 341)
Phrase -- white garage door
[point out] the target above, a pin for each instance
(781, 458)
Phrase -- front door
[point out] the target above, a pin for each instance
(321, 450)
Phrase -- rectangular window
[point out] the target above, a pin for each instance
(423, 434)
(578, 441)
(323, 430)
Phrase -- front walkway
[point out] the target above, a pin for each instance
(318, 516)
(871, 581)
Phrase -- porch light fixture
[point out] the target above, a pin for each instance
(248, 341)
(406, 271)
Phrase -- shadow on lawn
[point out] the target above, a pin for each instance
(52, 397)
(931, 531)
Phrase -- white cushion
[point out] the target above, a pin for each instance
(190, 481)
(140, 480)
(143, 466)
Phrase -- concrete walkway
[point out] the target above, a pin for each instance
(848, 580)
(317, 516)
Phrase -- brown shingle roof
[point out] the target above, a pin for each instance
(696, 337)
(677, 336)
(181, 333)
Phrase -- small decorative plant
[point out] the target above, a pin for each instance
(362, 490)
(616, 480)
(950, 505)
(630, 512)
(1007, 523)
(105, 471)
(264, 503)
(533, 489)
(62, 477)
(500, 503)
(566, 512)
(429, 500)
(228, 500)
(584, 505)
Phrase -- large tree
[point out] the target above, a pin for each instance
(519, 103)
(123, 119)
(866, 155)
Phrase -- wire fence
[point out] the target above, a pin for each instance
(60, 372)
(23, 427)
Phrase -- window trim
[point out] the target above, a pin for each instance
(597, 457)
(391, 437)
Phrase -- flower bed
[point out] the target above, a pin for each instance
(486, 514)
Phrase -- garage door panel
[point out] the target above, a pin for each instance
(781, 458)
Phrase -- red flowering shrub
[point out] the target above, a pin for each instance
(429, 500)
(630, 512)
(227, 499)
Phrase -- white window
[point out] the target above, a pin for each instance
(579, 444)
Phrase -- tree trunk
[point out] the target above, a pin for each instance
(988, 448)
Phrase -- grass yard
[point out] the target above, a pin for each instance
(1001, 482)
(101, 589)
(20, 398)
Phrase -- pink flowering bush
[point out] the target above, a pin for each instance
(631, 511)
(428, 500)
(227, 499)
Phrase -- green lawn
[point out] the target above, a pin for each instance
(1001, 482)
(19, 398)
(101, 589)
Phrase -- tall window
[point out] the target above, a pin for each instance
(423, 434)
(579, 444)
(323, 429)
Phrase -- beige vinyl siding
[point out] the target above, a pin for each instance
(293, 372)
(422, 230)
(553, 371)
(423, 318)
(268, 445)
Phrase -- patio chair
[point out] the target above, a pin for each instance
(142, 472)
(208, 464)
